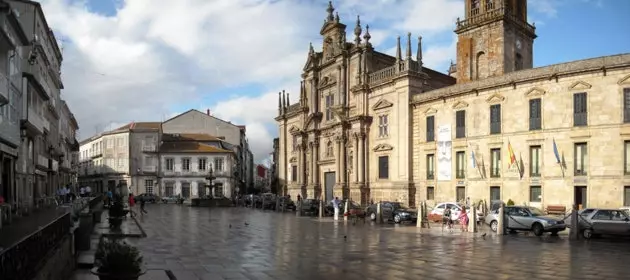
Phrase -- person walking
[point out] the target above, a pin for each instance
(110, 198)
(446, 219)
(336, 203)
(142, 211)
(132, 203)
(463, 220)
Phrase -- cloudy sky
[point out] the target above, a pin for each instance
(149, 60)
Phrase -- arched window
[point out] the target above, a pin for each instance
(518, 62)
(480, 62)
(329, 149)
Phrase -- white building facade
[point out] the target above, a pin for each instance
(185, 173)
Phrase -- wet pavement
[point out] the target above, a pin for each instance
(240, 243)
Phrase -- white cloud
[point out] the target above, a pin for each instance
(154, 55)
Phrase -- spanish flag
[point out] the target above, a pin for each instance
(511, 155)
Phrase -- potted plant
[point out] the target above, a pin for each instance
(116, 260)
(116, 214)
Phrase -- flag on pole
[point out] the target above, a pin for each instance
(473, 160)
(555, 151)
(511, 155)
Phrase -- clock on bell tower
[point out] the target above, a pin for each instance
(494, 38)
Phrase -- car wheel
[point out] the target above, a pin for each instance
(587, 233)
(494, 225)
(373, 216)
(538, 229)
(397, 219)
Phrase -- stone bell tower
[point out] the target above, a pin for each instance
(334, 33)
(493, 39)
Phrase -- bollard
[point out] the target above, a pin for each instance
(575, 224)
(420, 215)
(345, 210)
(501, 221)
(321, 209)
(379, 218)
(277, 208)
(472, 221)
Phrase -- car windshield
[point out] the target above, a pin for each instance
(536, 212)
(397, 205)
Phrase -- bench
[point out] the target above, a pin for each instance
(556, 209)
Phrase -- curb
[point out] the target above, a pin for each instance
(144, 233)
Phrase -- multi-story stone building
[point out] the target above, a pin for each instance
(139, 155)
(196, 122)
(187, 160)
(371, 126)
(126, 155)
(34, 112)
(12, 40)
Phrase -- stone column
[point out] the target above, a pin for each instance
(356, 158)
(299, 165)
(315, 159)
(342, 162)
(361, 158)
(337, 159)
(303, 165)
(311, 165)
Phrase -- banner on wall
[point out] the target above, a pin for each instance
(444, 150)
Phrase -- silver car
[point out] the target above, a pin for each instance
(605, 221)
(527, 219)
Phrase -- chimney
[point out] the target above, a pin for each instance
(208, 112)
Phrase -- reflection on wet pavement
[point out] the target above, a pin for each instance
(239, 243)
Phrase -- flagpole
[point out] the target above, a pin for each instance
(475, 161)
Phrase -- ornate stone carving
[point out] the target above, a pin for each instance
(294, 130)
(580, 85)
(383, 148)
(430, 111)
(625, 80)
(382, 104)
(460, 105)
(495, 98)
(535, 92)
(293, 160)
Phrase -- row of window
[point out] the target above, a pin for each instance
(580, 116)
(202, 164)
(535, 193)
(169, 189)
(535, 162)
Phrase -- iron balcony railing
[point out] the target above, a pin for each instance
(25, 258)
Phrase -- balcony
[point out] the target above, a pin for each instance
(149, 148)
(149, 169)
(46, 124)
(42, 161)
(54, 165)
(33, 122)
(4, 89)
(65, 164)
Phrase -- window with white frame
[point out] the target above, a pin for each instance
(185, 164)
(218, 164)
(382, 126)
(170, 164)
(201, 164)
(148, 185)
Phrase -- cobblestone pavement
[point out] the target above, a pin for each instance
(239, 243)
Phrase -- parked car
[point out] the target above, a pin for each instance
(147, 197)
(354, 208)
(605, 222)
(392, 211)
(437, 212)
(171, 199)
(525, 218)
(287, 204)
(626, 209)
(268, 201)
(309, 207)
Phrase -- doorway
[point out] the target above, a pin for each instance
(329, 184)
(579, 199)
(185, 190)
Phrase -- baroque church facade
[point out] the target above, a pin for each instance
(371, 127)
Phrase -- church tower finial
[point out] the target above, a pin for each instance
(357, 32)
(330, 11)
(367, 35)
(398, 52)
(419, 53)
(408, 51)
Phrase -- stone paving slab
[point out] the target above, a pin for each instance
(236, 243)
